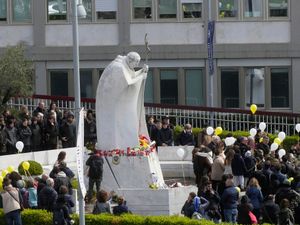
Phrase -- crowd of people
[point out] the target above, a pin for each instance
(43, 129)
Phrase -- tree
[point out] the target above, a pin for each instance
(16, 74)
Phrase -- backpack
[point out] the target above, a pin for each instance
(59, 217)
(96, 168)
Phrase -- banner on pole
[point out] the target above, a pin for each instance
(210, 46)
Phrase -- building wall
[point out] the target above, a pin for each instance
(176, 44)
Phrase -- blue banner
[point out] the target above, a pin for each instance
(210, 46)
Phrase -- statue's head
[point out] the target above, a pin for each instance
(133, 59)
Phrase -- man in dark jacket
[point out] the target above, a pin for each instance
(264, 145)
(24, 134)
(47, 196)
(270, 210)
(10, 133)
(90, 131)
(238, 169)
(36, 135)
(50, 133)
(165, 135)
(186, 137)
(229, 201)
(95, 163)
(62, 180)
(68, 132)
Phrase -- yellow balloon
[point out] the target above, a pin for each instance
(25, 165)
(4, 173)
(253, 108)
(1, 187)
(1, 179)
(238, 189)
(277, 141)
(10, 169)
(218, 130)
(291, 179)
(260, 140)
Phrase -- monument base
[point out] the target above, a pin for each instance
(156, 202)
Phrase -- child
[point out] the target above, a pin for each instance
(32, 195)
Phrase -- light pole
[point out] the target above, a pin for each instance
(77, 86)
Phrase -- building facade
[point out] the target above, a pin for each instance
(256, 48)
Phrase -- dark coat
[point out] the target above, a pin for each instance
(255, 196)
(250, 163)
(186, 138)
(90, 131)
(120, 209)
(243, 213)
(95, 163)
(47, 198)
(24, 134)
(264, 147)
(188, 209)
(238, 165)
(270, 212)
(59, 181)
(36, 137)
(11, 139)
(230, 198)
(165, 135)
(69, 131)
(50, 133)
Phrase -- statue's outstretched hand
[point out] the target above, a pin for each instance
(145, 68)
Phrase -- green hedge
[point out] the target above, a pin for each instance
(286, 144)
(34, 169)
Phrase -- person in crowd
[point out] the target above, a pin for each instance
(95, 174)
(61, 165)
(68, 132)
(55, 112)
(255, 195)
(24, 134)
(51, 133)
(229, 201)
(215, 139)
(238, 169)
(42, 182)
(151, 127)
(285, 214)
(102, 205)
(264, 145)
(244, 208)
(12, 203)
(202, 163)
(218, 167)
(244, 147)
(228, 160)
(270, 210)
(24, 113)
(14, 177)
(250, 164)
(186, 137)
(188, 207)
(203, 138)
(64, 193)
(90, 130)
(154, 134)
(277, 172)
(62, 179)
(165, 135)
(61, 214)
(2, 136)
(21, 186)
(32, 195)
(39, 109)
(36, 135)
(121, 207)
(47, 196)
(60, 159)
(10, 132)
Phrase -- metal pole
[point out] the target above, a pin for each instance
(211, 76)
(77, 94)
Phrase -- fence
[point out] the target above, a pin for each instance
(228, 119)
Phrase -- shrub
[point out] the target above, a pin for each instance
(34, 169)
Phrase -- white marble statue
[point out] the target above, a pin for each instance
(120, 104)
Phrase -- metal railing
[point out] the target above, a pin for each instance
(228, 119)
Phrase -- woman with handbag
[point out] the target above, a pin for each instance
(12, 203)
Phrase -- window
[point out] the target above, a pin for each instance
(168, 87)
(59, 83)
(279, 87)
(142, 9)
(230, 88)
(278, 8)
(167, 9)
(255, 86)
(149, 88)
(57, 10)
(86, 83)
(253, 8)
(194, 87)
(88, 8)
(191, 8)
(21, 10)
(3, 10)
(106, 9)
(228, 8)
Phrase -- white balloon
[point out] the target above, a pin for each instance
(209, 130)
(298, 127)
(281, 136)
(262, 126)
(274, 146)
(229, 141)
(253, 132)
(180, 153)
(20, 146)
(281, 153)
